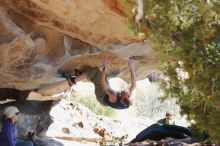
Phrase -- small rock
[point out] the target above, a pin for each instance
(66, 130)
(80, 124)
(102, 132)
(71, 104)
(96, 130)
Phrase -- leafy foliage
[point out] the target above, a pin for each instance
(186, 33)
(92, 103)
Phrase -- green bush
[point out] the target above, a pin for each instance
(92, 103)
(188, 32)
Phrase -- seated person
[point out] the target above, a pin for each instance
(161, 130)
(8, 135)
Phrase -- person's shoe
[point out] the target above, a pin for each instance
(30, 136)
(70, 83)
(70, 79)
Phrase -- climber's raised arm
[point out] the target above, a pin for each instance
(102, 79)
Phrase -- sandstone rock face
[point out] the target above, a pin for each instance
(40, 37)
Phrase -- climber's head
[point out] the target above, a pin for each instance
(125, 98)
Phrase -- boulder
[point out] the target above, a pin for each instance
(40, 38)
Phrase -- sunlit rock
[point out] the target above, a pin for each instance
(38, 38)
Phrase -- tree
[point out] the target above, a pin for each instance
(186, 33)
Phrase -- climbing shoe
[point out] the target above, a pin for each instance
(70, 79)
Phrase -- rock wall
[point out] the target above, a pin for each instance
(38, 38)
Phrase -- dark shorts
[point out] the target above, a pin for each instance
(93, 74)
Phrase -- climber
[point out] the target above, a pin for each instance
(105, 95)
(8, 135)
